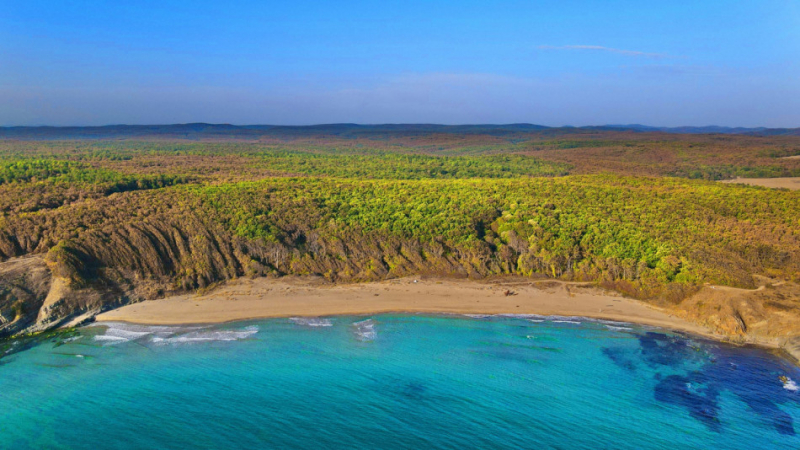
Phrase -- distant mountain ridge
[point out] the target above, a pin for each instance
(228, 131)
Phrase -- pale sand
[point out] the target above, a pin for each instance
(792, 183)
(265, 298)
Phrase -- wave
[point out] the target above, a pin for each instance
(614, 323)
(477, 316)
(789, 384)
(365, 330)
(522, 316)
(207, 336)
(112, 339)
(118, 333)
(311, 321)
(537, 318)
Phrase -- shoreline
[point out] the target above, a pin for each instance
(265, 298)
(768, 346)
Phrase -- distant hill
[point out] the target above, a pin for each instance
(711, 129)
(344, 130)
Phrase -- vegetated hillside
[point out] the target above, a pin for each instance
(643, 236)
(86, 226)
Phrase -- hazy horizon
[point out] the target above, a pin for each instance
(551, 63)
(621, 125)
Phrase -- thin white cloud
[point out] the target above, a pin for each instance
(604, 49)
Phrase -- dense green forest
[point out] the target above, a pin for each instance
(132, 220)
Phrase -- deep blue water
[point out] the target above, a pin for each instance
(396, 381)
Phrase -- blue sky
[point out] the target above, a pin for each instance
(564, 62)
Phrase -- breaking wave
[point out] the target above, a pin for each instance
(208, 335)
(311, 321)
(118, 333)
(365, 330)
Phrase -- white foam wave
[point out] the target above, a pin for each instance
(789, 384)
(522, 316)
(365, 330)
(103, 338)
(612, 322)
(207, 336)
(311, 321)
(611, 327)
(117, 333)
(537, 318)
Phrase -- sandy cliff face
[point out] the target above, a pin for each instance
(770, 313)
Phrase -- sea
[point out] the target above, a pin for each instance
(394, 382)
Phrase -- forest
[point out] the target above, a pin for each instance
(111, 222)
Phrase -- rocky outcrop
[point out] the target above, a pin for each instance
(24, 285)
(34, 297)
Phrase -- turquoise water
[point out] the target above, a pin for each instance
(395, 381)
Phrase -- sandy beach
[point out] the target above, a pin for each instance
(289, 297)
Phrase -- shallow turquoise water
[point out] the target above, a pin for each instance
(395, 381)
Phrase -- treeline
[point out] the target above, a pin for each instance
(33, 184)
(726, 172)
(56, 171)
(409, 166)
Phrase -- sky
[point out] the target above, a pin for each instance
(660, 63)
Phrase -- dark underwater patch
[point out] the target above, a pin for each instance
(414, 390)
(693, 393)
(750, 374)
(620, 356)
(660, 349)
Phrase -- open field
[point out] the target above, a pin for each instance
(792, 183)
